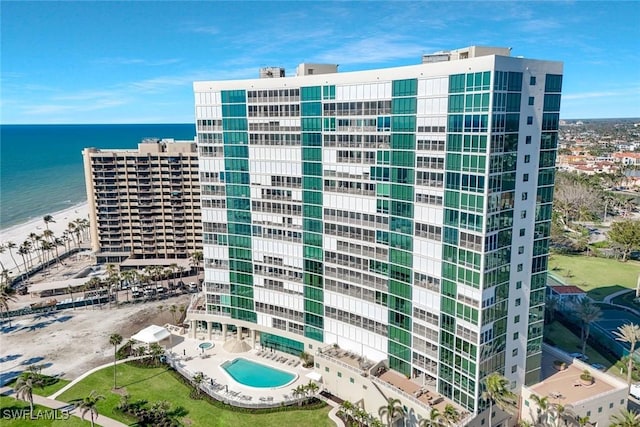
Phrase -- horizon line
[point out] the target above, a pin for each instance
(193, 123)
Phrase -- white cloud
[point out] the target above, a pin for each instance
(633, 91)
(203, 29)
(136, 61)
(373, 50)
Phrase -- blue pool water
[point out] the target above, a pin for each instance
(205, 345)
(255, 374)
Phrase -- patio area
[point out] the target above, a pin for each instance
(188, 358)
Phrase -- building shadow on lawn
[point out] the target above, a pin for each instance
(601, 292)
(145, 379)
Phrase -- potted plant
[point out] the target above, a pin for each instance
(559, 365)
(586, 377)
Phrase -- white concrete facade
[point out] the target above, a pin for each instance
(492, 330)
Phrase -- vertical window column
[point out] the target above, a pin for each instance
(542, 228)
(312, 225)
(238, 198)
(401, 211)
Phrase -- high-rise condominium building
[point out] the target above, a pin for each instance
(144, 203)
(401, 214)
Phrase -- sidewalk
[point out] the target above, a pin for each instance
(66, 407)
(610, 298)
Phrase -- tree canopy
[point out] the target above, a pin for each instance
(625, 236)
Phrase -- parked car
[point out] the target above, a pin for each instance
(635, 391)
(193, 287)
(579, 356)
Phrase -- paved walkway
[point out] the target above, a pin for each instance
(610, 298)
(89, 372)
(333, 414)
(66, 407)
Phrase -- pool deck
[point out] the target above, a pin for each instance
(188, 356)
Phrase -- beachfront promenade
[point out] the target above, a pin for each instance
(10, 259)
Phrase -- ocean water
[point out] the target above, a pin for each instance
(41, 169)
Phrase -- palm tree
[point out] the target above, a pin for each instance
(197, 380)
(588, 313)
(312, 388)
(24, 390)
(542, 408)
(451, 414)
(436, 419)
(156, 351)
(498, 392)
(6, 296)
(115, 340)
(196, 259)
(563, 413)
(173, 309)
(88, 404)
(346, 407)
(25, 252)
(625, 418)
(11, 246)
(47, 219)
(392, 410)
(629, 333)
(550, 307)
(34, 239)
(299, 391)
(2, 248)
(582, 421)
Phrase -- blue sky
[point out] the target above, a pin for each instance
(134, 62)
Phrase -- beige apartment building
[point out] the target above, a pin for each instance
(144, 204)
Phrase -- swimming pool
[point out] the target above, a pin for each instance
(254, 374)
(205, 345)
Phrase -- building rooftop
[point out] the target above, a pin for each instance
(567, 290)
(565, 386)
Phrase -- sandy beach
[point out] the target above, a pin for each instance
(19, 233)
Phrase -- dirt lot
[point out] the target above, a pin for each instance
(72, 341)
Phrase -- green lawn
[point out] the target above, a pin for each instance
(48, 390)
(10, 408)
(566, 340)
(598, 276)
(154, 384)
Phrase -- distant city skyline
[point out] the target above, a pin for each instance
(135, 62)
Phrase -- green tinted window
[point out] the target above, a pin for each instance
(408, 87)
(456, 83)
(312, 140)
(456, 103)
(311, 109)
(553, 83)
(310, 93)
(311, 125)
(403, 106)
(237, 110)
(233, 96)
(328, 92)
(403, 124)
